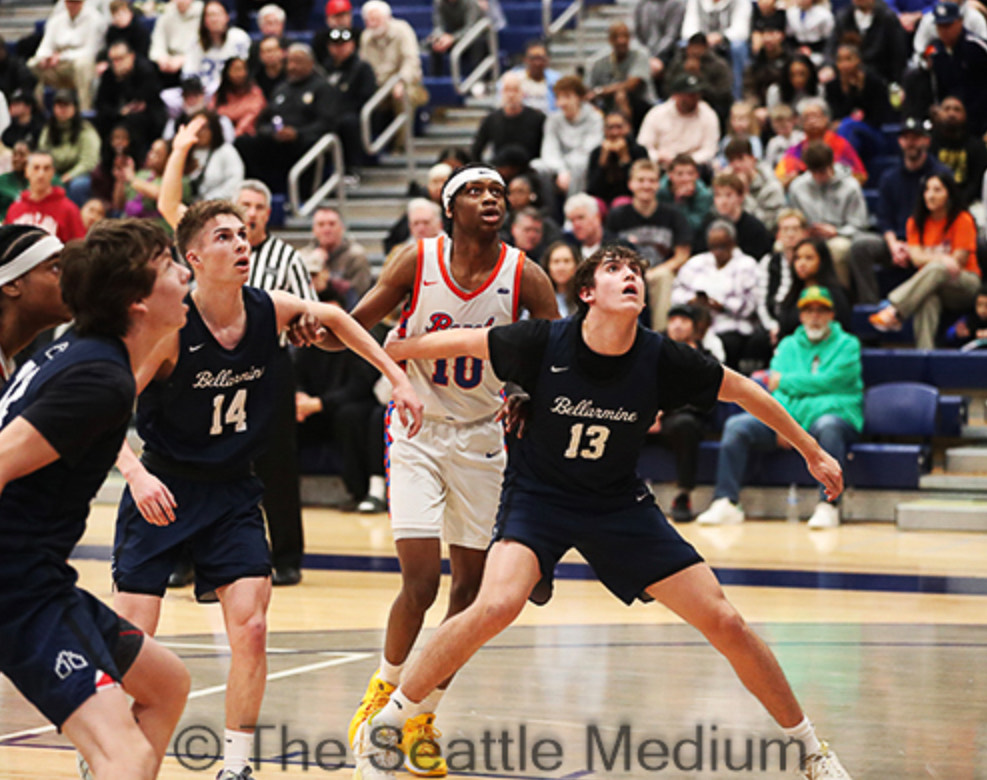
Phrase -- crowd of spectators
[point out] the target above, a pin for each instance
(750, 151)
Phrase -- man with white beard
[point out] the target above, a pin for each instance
(815, 374)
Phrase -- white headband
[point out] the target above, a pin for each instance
(33, 256)
(463, 177)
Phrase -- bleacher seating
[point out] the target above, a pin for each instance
(899, 410)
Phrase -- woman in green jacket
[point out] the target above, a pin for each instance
(73, 144)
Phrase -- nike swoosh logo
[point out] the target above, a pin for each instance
(558, 369)
(494, 454)
(428, 283)
(195, 347)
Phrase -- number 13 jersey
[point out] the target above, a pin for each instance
(462, 389)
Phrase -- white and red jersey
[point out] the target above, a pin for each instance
(463, 389)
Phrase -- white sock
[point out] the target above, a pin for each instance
(399, 709)
(236, 752)
(805, 733)
(390, 673)
(431, 702)
(378, 487)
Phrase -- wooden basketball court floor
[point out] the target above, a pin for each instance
(883, 635)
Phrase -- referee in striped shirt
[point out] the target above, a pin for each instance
(275, 265)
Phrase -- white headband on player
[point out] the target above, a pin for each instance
(33, 256)
(464, 176)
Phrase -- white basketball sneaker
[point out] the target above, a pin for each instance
(823, 765)
(722, 512)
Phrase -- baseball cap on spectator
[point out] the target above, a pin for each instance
(340, 35)
(335, 7)
(21, 96)
(65, 96)
(915, 125)
(685, 83)
(815, 294)
(946, 13)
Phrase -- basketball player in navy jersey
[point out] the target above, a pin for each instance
(443, 486)
(64, 417)
(596, 382)
(204, 411)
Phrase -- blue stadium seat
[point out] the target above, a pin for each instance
(950, 368)
(901, 409)
(954, 411)
(886, 466)
(277, 210)
(893, 365)
(442, 92)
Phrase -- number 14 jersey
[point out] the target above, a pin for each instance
(214, 410)
(462, 389)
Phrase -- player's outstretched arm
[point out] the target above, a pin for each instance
(457, 342)
(152, 497)
(23, 450)
(396, 281)
(753, 398)
(170, 195)
(354, 336)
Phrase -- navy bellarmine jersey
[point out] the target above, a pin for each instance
(79, 394)
(214, 410)
(589, 414)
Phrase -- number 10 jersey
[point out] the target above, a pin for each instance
(463, 389)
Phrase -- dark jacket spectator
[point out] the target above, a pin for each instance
(956, 148)
(883, 45)
(512, 124)
(129, 91)
(14, 73)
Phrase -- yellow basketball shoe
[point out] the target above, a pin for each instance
(377, 695)
(420, 744)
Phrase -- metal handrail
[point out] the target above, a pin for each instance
(406, 118)
(490, 63)
(330, 143)
(552, 27)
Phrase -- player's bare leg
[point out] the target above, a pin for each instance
(159, 683)
(141, 609)
(245, 605)
(111, 742)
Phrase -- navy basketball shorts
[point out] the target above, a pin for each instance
(221, 523)
(629, 548)
(63, 645)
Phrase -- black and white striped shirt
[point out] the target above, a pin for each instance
(275, 265)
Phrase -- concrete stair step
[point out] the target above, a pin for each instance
(966, 482)
(974, 432)
(966, 459)
(936, 514)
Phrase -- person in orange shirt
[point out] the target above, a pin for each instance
(942, 244)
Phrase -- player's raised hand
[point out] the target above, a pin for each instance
(153, 499)
(408, 407)
(825, 468)
(187, 135)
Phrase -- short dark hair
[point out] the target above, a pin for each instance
(198, 216)
(108, 270)
(817, 157)
(738, 147)
(585, 276)
(683, 159)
